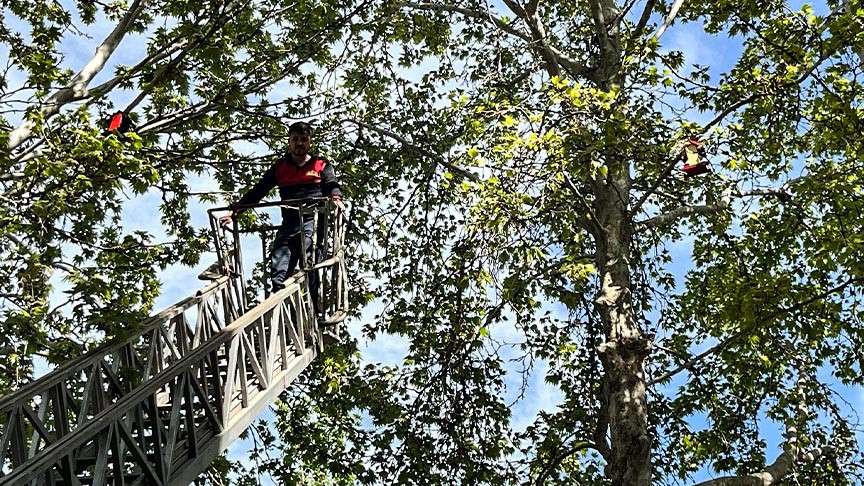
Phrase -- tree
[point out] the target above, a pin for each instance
(529, 158)
(514, 171)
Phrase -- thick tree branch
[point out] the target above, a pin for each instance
(599, 21)
(724, 204)
(573, 67)
(681, 212)
(77, 88)
(538, 35)
(440, 7)
(673, 12)
(34, 150)
(172, 119)
(644, 18)
(606, 20)
(12, 176)
(559, 457)
(602, 426)
(792, 454)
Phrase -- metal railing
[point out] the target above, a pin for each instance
(327, 252)
(158, 407)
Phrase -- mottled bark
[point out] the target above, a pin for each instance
(624, 351)
(625, 348)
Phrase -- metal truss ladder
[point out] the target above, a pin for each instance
(157, 408)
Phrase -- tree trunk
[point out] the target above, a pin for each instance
(625, 348)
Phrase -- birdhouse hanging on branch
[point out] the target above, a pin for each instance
(118, 124)
(693, 155)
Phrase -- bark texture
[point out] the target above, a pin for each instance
(625, 348)
(624, 351)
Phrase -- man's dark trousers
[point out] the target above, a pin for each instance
(286, 252)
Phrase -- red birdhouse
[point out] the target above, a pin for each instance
(695, 162)
(118, 124)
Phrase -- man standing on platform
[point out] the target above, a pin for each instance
(299, 175)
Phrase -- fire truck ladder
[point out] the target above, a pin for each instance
(159, 406)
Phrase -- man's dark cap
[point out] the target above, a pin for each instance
(300, 127)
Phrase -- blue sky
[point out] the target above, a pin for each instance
(141, 212)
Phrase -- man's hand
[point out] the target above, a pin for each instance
(226, 220)
(337, 200)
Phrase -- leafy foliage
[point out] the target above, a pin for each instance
(516, 209)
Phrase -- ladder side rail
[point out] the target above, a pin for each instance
(237, 257)
(218, 241)
(322, 230)
(302, 261)
(74, 407)
(332, 271)
(323, 237)
(226, 259)
(262, 234)
(339, 230)
(80, 364)
(175, 377)
(267, 353)
(171, 349)
(285, 370)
